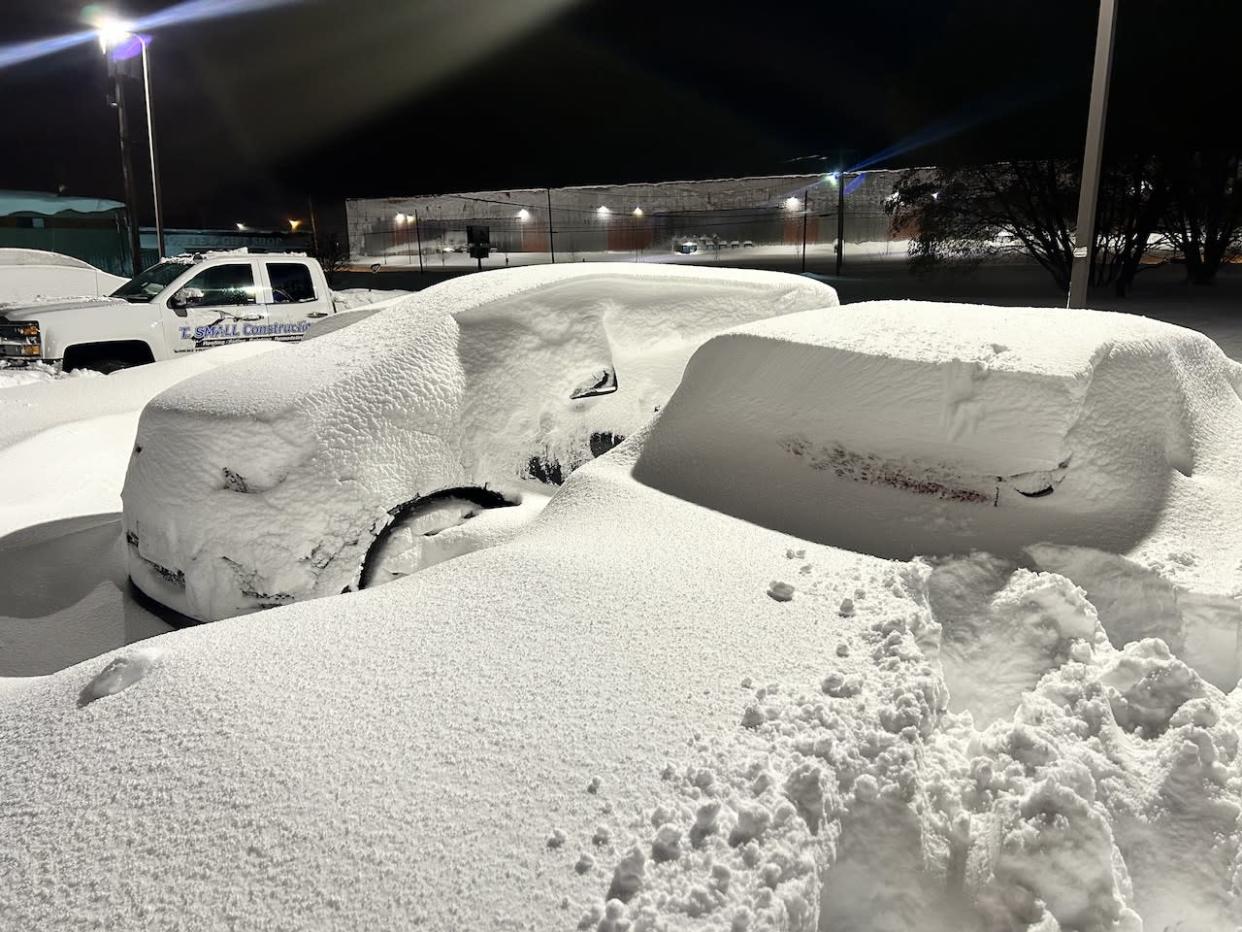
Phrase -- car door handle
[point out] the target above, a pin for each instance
(317, 314)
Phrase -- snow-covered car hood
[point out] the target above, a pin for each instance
(644, 713)
(36, 309)
(269, 483)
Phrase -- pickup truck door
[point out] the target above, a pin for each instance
(218, 303)
(295, 296)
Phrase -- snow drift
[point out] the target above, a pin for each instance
(645, 714)
(266, 484)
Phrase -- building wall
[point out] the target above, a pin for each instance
(640, 218)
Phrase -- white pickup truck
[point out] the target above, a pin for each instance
(180, 305)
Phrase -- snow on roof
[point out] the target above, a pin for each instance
(37, 202)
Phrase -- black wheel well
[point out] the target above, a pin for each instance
(478, 495)
(135, 352)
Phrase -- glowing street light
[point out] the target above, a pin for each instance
(792, 203)
(293, 225)
(602, 212)
(400, 218)
(114, 34)
(638, 211)
(241, 227)
(523, 215)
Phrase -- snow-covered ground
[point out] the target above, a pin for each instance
(896, 617)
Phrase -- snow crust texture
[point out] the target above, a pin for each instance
(689, 721)
(266, 484)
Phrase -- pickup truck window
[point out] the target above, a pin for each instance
(221, 285)
(144, 287)
(291, 282)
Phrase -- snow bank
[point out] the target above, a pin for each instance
(267, 484)
(623, 730)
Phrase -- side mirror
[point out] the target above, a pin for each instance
(184, 298)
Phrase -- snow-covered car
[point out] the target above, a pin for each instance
(28, 275)
(180, 305)
(355, 457)
(707, 689)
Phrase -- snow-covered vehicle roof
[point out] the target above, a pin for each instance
(642, 713)
(272, 482)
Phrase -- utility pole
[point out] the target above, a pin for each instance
(551, 238)
(806, 210)
(155, 171)
(418, 235)
(1088, 194)
(840, 214)
(127, 167)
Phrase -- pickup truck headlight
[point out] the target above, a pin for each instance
(21, 339)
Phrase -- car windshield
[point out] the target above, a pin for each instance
(142, 288)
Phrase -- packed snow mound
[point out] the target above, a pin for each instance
(626, 731)
(266, 484)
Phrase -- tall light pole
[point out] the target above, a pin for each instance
(1088, 194)
(113, 34)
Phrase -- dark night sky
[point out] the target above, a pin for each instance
(337, 98)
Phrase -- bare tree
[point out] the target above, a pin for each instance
(959, 216)
(1204, 216)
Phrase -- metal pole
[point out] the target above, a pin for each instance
(1088, 194)
(127, 175)
(806, 209)
(551, 238)
(418, 235)
(840, 216)
(310, 208)
(155, 171)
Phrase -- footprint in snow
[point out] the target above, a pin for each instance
(121, 673)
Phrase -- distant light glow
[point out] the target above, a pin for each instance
(834, 178)
(523, 215)
(186, 12)
(792, 203)
(935, 195)
(241, 227)
(602, 211)
(113, 32)
(400, 218)
(638, 211)
(293, 225)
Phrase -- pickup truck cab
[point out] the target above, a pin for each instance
(180, 305)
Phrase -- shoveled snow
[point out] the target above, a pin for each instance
(609, 723)
(267, 483)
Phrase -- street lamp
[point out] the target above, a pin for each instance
(293, 225)
(241, 227)
(114, 34)
(792, 203)
(523, 215)
(602, 212)
(638, 211)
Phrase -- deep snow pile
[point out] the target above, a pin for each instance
(267, 483)
(644, 714)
